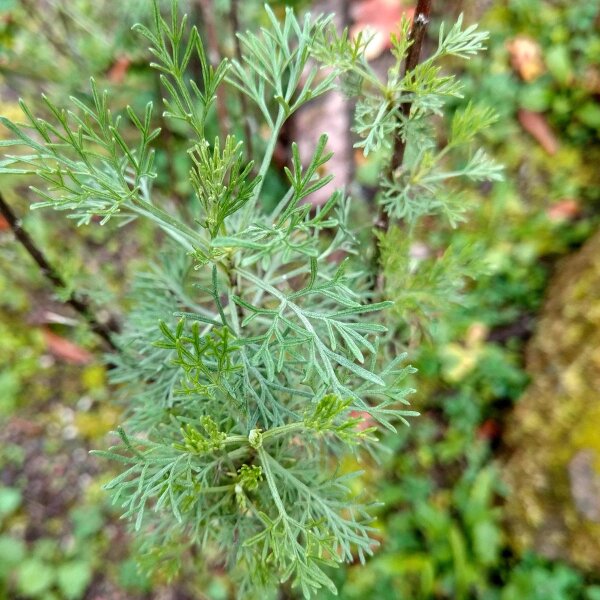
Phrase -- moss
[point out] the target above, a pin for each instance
(558, 418)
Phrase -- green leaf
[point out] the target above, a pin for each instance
(35, 577)
(10, 500)
(589, 114)
(12, 553)
(73, 579)
(486, 542)
(132, 579)
(592, 592)
(558, 61)
(536, 97)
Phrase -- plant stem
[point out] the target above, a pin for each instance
(416, 36)
(264, 461)
(79, 302)
(413, 56)
(269, 433)
(282, 429)
(264, 167)
(268, 157)
(217, 489)
(165, 220)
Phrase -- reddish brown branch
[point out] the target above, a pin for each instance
(416, 37)
(79, 302)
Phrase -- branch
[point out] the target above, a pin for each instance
(416, 37)
(79, 302)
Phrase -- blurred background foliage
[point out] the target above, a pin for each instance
(449, 527)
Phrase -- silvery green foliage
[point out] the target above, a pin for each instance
(254, 358)
(420, 186)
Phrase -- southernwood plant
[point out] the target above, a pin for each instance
(260, 351)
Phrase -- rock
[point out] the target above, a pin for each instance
(553, 467)
(585, 484)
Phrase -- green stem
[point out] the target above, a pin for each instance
(164, 218)
(266, 163)
(283, 429)
(235, 439)
(268, 434)
(217, 489)
(264, 461)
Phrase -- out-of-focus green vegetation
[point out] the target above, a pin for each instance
(553, 49)
(443, 527)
